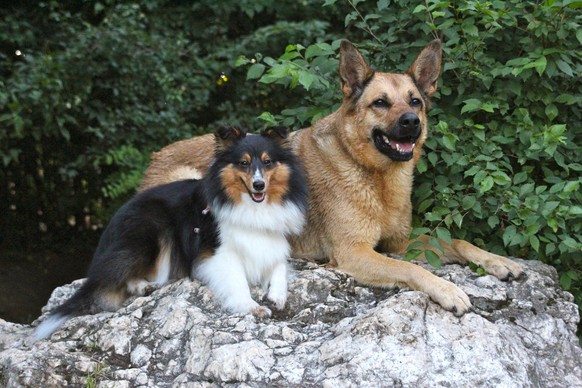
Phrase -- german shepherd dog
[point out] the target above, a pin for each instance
(360, 163)
(229, 229)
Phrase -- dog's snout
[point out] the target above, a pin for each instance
(409, 121)
(259, 185)
(410, 124)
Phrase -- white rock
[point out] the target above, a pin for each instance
(333, 333)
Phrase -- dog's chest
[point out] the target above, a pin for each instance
(382, 203)
(258, 251)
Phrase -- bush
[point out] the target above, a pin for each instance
(91, 88)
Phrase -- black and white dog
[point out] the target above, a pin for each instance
(229, 230)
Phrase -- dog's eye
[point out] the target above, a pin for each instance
(243, 163)
(380, 103)
(267, 162)
(415, 102)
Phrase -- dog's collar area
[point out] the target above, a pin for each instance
(399, 150)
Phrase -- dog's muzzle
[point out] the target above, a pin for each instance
(398, 143)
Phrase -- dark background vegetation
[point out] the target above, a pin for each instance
(88, 89)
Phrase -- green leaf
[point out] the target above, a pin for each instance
(471, 105)
(535, 243)
(486, 184)
(255, 71)
(412, 254)
(449, 141)
(566, 69)
(539, 64)
(241, 60)
(472, 171)
(551, 111)
(421, 166)
(433, 258)
(436, 243)
(571, 186)
(444, 235)
(305, 79)
(269, 118)
(414, 245)
(509, 234)
(520, 177)
(468, 202)
(492, 221)
(565, 281)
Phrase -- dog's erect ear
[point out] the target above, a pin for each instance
(224, 137)
(426, 68)
(354, 72)
(277, 134)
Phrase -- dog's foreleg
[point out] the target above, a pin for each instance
(462, 252)
(224, 274)
(278, 285)
(374, 269)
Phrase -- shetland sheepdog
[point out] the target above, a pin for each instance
(228, 229)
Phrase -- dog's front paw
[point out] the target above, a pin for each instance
(261, 312)
(503, 268)
(278, 298)
(451, 297)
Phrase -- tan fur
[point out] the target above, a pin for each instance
(360, 198)
(277, 181)
(180, 157)
(234, 182)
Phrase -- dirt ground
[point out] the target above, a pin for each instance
(27, 279)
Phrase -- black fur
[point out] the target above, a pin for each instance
(133, 239)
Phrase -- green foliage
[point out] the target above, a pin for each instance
(89, 89)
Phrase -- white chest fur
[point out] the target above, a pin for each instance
(253, 249)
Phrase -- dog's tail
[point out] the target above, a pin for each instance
(82, 302)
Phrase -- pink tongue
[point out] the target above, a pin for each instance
(258, 196)
(401, 147)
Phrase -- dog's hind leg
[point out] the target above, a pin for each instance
(462, 252)
(371, 268)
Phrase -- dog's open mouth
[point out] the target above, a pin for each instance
(258, 197)
(398, 149)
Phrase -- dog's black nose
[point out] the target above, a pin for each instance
(259, 185)
(409, 121)
(409, 124)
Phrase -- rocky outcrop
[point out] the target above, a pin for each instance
(333, 333)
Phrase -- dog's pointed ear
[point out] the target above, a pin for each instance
(426, 68)
(225, 136)
(278, 134)
(354, 72)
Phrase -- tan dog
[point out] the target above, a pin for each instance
(360, 163)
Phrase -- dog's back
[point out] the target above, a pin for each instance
(149, 241)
